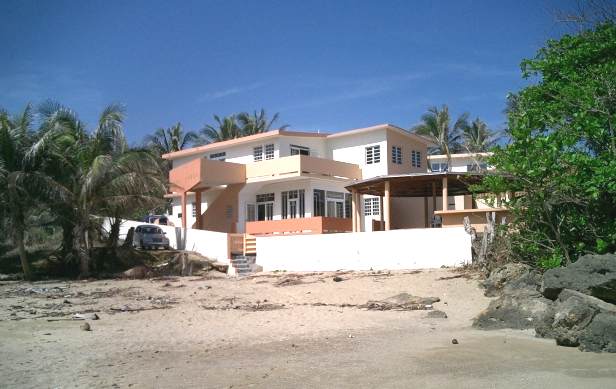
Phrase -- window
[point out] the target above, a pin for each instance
(194, 209)
(219, 156)
(257, 153)
(438, 167)
(293, 205)
(318, 202)
(372, 206)
(265, 206)
(179, 215)
(373, 154)
(396, 155)
(229, 211)
(335, 204)
(416, 158)
(251, 212)
(299, 150)
(347, 205)
(477, 168)
(269, 151)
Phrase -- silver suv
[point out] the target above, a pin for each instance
(148, 236)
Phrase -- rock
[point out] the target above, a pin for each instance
(518, 311)
(500, 277)
(85, 327)
(401, 302)
(594, 275)
(583, 321)
(85, 316)
(338, 279)
(137, 272)
(436, 315)
(454, 341)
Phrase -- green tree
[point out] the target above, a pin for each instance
(94, 174)
(168, 140)
(18, 174)
(477, 137)
(225, 129)
(562, 155)
(257, 122)
(436, 126)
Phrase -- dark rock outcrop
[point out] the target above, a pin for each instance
(500, 277)
(594, 275)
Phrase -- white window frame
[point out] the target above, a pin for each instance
(372, 206)
(373, 154)
(257, 153)
(269, 151)
(300, 150)
(218, 156)
(396, 155)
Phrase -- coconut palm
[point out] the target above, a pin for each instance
(436, 126)
(478, 137)
(225, 129)
(95, 173)
(257, 122)
(168, 140)
(20, 177)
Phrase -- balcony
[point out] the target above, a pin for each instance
(309, 225)
(301, 165)
(202, 173)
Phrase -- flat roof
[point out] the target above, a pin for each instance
(419, 184)
(274, 133)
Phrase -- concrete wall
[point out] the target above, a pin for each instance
(210, 244)
(396, 249)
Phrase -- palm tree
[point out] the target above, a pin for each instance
(436, 125)
(19, 177)
(168, 140)
(95, 174)
(478, 137)
(257, 122)
(225, 129)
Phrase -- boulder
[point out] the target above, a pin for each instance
(594, 275)
(514, 310)
(502, 276)
(580, 320)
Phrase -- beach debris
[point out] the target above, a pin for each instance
(85, 316)
(85, 327)
(401, 302)
(454, 341)
(436, 314)
(338, 279)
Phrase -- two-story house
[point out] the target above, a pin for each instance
(291, 182)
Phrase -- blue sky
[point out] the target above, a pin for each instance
(323, 65)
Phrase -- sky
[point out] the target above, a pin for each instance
(325, 66)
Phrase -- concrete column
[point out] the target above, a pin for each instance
(184, 216)
(358, 212)
(387, 207)
(433, 201)
(354, 210)
(198, 208)
(426, 219)
(445, 199)
(382, 224)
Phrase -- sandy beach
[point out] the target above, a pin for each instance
(273, 330)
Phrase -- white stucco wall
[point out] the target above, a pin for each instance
(396, 249)
(352, 149)
(211, 244)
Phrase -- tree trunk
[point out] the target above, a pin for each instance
(114, 232)
(23, 257)
(79, 247)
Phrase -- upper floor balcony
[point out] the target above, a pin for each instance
(204, 173)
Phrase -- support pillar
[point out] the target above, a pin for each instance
(354, 210)
(445, 196)
(387, 206)
(358, 212)
(184, 210)
(426, 225)
(433, 202)
(198, 208)
(382, 224)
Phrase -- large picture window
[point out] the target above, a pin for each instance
(299, 150)
(293, 204)
(373, 154)
(331, 204)
(265, 206)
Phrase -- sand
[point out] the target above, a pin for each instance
(273, 330)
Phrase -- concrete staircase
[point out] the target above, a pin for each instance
(242, 264)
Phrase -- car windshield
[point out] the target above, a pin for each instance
(152, 230)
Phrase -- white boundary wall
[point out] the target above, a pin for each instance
(211, 244)
(417, 248)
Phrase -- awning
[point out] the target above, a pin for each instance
(418, 184)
